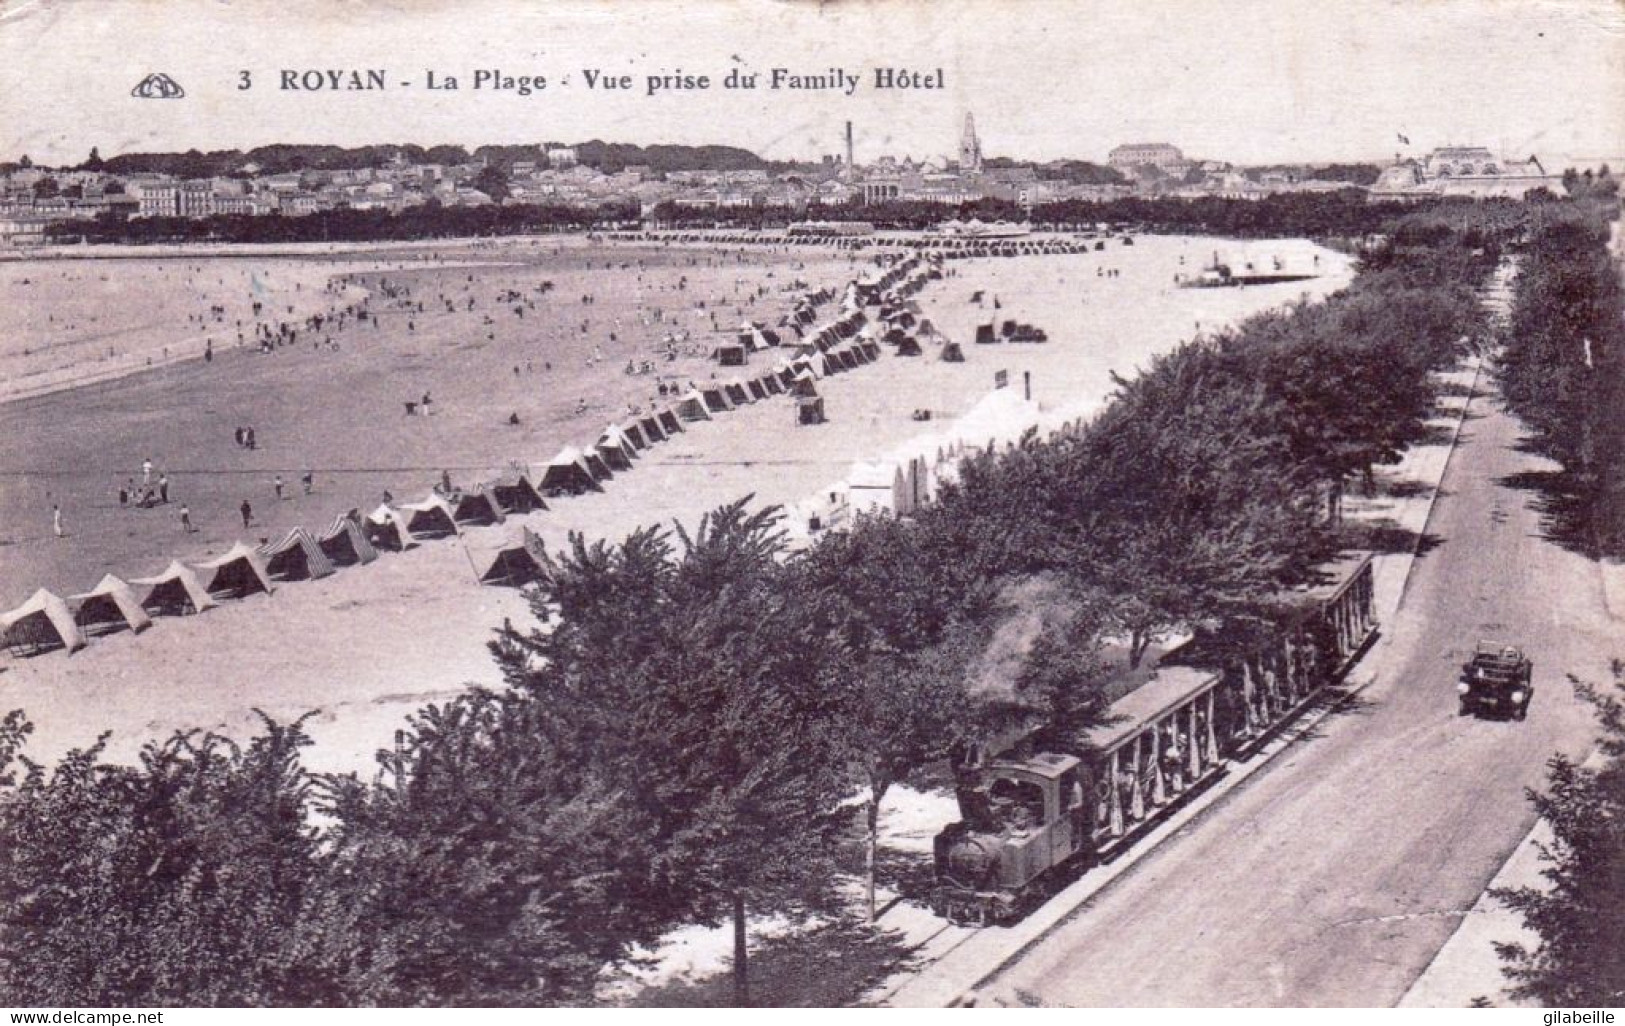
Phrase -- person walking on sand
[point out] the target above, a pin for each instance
(276, 483)
(247, 511)
(309, 481)
(123, 496)
(146, 470)
(56, 520)
(163, 488)
(186, 520)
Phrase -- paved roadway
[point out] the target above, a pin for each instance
(1333, 877)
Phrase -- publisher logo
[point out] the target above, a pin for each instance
(158, 86)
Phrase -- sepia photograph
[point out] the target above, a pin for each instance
(624, 505)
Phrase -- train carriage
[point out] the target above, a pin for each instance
(1028, 819)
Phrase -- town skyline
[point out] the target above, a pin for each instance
(1308, 85)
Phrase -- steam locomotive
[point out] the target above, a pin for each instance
(1029, 820)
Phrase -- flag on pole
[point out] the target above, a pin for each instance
(1404, 140)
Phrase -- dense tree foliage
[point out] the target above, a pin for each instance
(1580, 913)
(1563, 372)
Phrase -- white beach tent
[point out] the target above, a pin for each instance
(236, 573)
(109, 606)
(41, 624)
(173, 591)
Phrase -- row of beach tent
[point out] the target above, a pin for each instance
(47, 621)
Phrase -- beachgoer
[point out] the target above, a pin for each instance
(56, 520)
(445, 481)
(309, 481)
(186, 519)
(247, 511)
(248, 438)
(238, 436)
(388, 498)
(123, 495)
(163, 488)
(276, 483)
(146, 470)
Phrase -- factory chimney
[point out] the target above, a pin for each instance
(849, 147)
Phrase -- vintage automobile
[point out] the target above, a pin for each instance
(1496, 681)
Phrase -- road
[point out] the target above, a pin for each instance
(1332, 878)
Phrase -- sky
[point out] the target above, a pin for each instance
(1249, 81)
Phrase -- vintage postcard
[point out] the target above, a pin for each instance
(811, 504)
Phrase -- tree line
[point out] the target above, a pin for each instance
(682, 731)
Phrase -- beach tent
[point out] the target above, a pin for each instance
(908, 346)
(771, 384)
(632, 432)
(716, 398)
(478, 506)
(652, 431)
(237, 573)
(757, 389)
(504, 560)
(344, 544)
(809, 409)
(805, 386)
(616, 453)
(847, 360)
(41, 624)
(985, 334)
(737, 393)
(515, 494)
(568, 474)
(951, 353)
(670, 422)
(295, 557)
(385, 528)
(597, 466)
(730, 354)
(429, 517)
(109, 606)
(692, 406)
(173, 591)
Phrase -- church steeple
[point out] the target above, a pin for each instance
(970, 148)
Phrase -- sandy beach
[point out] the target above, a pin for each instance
(368, 645)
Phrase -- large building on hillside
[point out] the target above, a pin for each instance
(1462, 171)
(1162, 156)
(970, 148)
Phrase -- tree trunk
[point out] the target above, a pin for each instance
(741, 966)
(877, 791)
(1138, 642)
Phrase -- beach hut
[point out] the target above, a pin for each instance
(237, 573)
(429, 517)
(757, 390)
(479, 506)
(42, 624)
(908, 346)
(109, 606)
(847, 360)
(670, 422)
(730, 354)
(692, 406)
(385, 528)
(515, 494)
(770, 384)
(296, 556)
(173, 591)
(951, 353)
(568, 474)
(344, 544)
(985, 334)
(504, 560)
